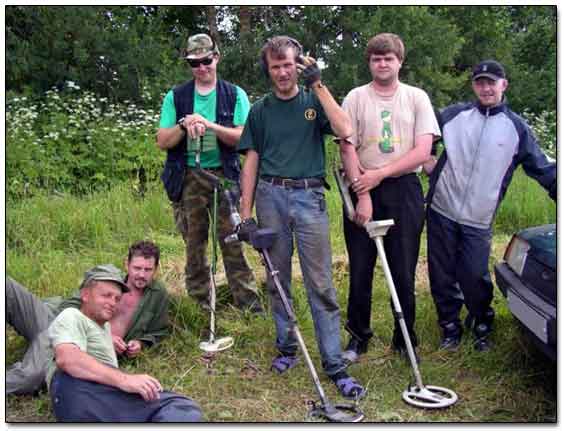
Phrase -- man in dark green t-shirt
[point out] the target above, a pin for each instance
(201, 108)
(283, 142)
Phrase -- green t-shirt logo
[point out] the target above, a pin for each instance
(385, 143)
(310, 114)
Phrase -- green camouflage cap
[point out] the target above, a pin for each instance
(107, 272)
(200, 45)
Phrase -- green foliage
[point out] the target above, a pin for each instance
(73, 141)
(544, 127)
(111, 51)
(120, 52)
(534, 61)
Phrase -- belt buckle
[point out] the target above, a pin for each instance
(286, 182)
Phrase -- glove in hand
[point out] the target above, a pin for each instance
(246, 229)
(311, 73)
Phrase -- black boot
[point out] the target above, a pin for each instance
(452, 334)
(483, 327)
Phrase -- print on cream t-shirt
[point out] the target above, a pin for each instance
(385, 127)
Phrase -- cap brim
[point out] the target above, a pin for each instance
(198, 56)
(487, 75)
(121, 284)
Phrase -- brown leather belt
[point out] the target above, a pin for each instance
(292, 183)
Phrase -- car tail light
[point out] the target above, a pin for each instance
(516, 254)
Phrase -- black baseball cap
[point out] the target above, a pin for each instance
(488, 69)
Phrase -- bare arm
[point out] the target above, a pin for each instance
(169, 137)
(81, 365)
(350, 160)
(228, 135)
(363, 210)
(429, 165)
(415, 157)
(339, 119)
(248, 183)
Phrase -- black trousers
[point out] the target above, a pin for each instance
(400, 199)
(458, 269)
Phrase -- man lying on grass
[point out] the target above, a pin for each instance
(83, 379)
(140, 319)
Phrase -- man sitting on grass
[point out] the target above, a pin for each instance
(140, 321)
(84, 381)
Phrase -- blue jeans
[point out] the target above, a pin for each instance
(76, 400)
(301, 214)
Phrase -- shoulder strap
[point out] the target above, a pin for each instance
(226, 100)
(184, 99)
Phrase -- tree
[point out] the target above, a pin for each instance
(124, 52)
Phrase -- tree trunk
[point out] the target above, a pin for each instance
(245, 13)
(211, 15)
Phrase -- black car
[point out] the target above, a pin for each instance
(527, 278)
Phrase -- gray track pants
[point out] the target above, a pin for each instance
(30, 317)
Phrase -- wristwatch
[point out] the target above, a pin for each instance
(181, 124)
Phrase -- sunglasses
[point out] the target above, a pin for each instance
(196, 63)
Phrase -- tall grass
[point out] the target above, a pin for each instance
(526, 204)
(52, 240)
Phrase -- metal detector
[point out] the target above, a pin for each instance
(262, 240)
(213, 344)
(418, 395)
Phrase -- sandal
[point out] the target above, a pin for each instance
(282, 363)
(349, 387)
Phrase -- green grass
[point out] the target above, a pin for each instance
(527, 204)
(51, 241)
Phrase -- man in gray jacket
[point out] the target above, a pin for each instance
(484, 142)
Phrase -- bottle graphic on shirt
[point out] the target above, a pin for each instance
(385, 143)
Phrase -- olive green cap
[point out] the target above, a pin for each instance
(106, 272)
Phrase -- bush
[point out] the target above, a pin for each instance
(73, 141)
(544, 126)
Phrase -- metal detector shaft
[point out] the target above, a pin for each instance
(199, 150)
(212, 306)
(292, 317)
(213, 265)
(344, 192)
(213, 345)
(398, 310)
(418, 395)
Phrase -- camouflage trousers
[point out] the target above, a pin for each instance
(192, 216)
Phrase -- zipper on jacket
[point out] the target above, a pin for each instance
(473, 166)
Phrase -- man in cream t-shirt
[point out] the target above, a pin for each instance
(394, 127)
